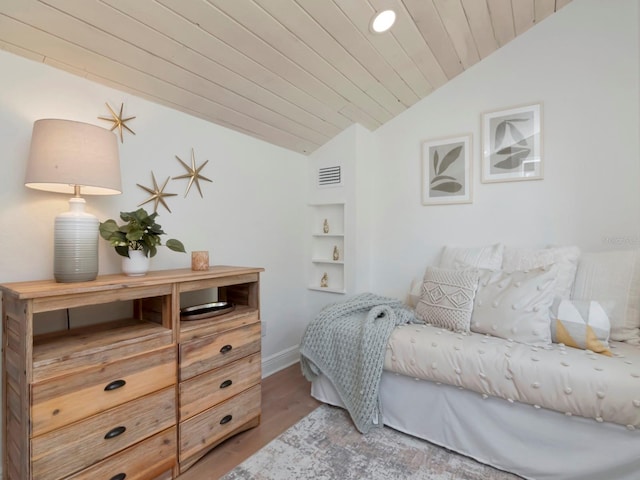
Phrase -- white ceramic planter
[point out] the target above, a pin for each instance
(136, 264)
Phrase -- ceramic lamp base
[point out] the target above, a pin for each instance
(75, 244)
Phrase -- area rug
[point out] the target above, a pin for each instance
(326, 446)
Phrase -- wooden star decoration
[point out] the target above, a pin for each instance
(157, 194)
(118, 121)
(194, 173)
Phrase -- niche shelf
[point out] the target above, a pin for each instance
(328, 248)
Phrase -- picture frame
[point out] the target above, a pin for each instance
(512, 144)
(447, 171)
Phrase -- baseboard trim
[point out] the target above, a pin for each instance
(283, 359)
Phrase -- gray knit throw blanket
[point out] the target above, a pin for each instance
(347, 342)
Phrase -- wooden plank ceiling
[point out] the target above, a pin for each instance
(291, 72)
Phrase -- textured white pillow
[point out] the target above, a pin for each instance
(566, 259)
(489, 257)
(613, 276)
(515, 305)
(447, 298)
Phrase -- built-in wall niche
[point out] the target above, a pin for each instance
(327, 271)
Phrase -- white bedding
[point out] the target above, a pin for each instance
(568, 380)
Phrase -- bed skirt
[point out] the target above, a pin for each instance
(534, 443)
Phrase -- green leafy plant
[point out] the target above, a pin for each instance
(139, 232)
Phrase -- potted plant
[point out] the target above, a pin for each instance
(137, 239)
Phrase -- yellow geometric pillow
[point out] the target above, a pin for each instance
(581, 324)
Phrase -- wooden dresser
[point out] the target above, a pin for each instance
(141, 397)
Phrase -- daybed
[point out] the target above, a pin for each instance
(505, 391)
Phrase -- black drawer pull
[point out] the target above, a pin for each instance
(226, 419)
(114, 432)
(120, 476)
(226, 383)
(226, 349)
(115, 385)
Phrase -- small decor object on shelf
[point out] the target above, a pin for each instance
(206, 310)
(324, 281)
(200, 260)
(336, 253)
(118, 121)
(140, 233)
(325, 226)
(194, 173)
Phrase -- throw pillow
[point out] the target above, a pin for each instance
(580, 324)
(566, 258)
(613, 276)
(447, 298)
(515, 305)
(489, 257)
(414, 292)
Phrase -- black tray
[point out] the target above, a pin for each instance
(206, 310)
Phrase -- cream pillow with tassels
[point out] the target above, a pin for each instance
(581, 324)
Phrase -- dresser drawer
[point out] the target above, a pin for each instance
(146, 460)
(210, 427)
(216, 386)
(63, 400)
(102, 435)
(214, 351)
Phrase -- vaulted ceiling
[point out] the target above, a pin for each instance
(291, 72)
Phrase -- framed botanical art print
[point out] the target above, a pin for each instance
(447, 171)
(512, 144)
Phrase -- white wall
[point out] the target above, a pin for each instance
(252, 214)
(582, 64)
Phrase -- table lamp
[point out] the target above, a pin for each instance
(73, 157)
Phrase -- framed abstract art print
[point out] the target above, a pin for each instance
(512, 144)
(447, 175)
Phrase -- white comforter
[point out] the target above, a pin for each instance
(572, 381)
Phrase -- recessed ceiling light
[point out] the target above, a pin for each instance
(383, 21)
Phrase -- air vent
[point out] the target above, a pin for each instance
(330, 177)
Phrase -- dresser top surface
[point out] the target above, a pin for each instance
(50, 288)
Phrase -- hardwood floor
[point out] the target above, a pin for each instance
(285, 400)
